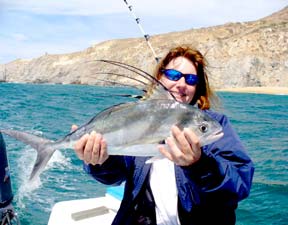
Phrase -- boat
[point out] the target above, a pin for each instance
(101, 210)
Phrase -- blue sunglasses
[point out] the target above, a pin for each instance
(174, 75)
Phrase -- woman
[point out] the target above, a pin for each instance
(193, 184)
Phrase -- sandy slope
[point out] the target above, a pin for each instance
(258, 90)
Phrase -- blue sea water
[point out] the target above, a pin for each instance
(49, 110)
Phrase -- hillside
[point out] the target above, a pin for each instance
(253, 54)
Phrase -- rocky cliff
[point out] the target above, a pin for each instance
(251, 54)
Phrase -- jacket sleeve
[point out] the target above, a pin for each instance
(111, 172)
(224, 170)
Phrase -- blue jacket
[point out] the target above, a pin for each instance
(208, 191)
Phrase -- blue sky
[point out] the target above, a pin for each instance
(30, 28)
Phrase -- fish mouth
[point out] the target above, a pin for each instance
(217, 135)
(212, 138)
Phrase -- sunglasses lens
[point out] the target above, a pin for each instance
(191, 79)
(172, 74)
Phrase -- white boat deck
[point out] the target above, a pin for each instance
(100, 210)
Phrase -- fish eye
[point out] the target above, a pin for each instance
(203, 127)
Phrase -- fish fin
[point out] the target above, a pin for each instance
(44, 147)
(154, 159)
(154, 88)
(140, 82)
(158, 92)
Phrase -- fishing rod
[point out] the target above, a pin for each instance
(146, 36)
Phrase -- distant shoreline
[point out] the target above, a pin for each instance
(257, 90)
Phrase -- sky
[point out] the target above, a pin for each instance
(31, 28)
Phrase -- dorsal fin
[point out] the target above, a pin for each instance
(157, 92)
(154, 89)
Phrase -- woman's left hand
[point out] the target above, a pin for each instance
(184, 147)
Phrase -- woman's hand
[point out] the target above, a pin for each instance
(184, 148)
(91, 148)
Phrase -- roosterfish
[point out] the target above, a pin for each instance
(130, 128)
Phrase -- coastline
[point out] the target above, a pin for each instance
(257, 90)
(253, 90)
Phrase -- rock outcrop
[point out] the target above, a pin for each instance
(251, 54)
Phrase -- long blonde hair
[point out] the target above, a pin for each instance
(203, 92)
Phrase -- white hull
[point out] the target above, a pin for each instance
(100, 210)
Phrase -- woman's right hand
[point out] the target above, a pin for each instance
(91, 148)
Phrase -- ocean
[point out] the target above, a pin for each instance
(49, 110)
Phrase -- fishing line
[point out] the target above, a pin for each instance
(146, 36)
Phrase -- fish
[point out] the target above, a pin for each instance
(130, 128)
(134, 128)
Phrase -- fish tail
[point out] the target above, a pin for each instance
(44, 147)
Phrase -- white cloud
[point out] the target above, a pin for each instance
(32, 27)
(156, 7)
(66, 7)
(19, 37)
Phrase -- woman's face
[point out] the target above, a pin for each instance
(179, 89)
